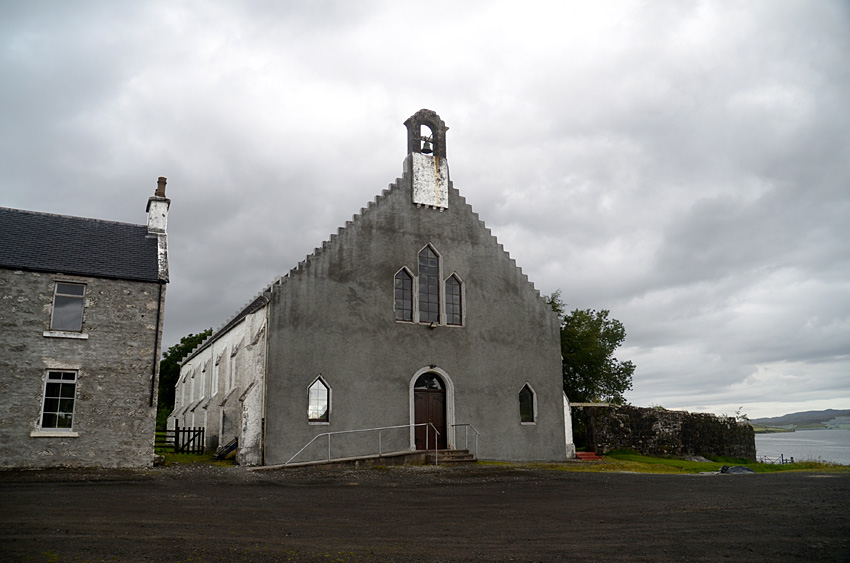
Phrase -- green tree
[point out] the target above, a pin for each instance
(589, 339)
(169, 372)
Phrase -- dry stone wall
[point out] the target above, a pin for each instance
(660, 432)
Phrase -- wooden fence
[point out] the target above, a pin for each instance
(180, 440)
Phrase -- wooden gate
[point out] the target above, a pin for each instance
(181, 440)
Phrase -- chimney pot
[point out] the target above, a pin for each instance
(160, 187)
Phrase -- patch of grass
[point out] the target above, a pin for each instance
(627, 461)
(208, 458)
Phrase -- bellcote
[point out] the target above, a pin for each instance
(426, 159)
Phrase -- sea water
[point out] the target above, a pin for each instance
(831, 446)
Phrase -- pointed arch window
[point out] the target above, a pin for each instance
(318, 401)
(429, 286)
(403, 296)
(527, 408)
(454, 301)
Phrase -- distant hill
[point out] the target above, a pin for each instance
(807, 419)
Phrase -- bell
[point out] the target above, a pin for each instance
(426, 148)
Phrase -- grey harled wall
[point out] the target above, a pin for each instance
(334, 315)
(112, 416)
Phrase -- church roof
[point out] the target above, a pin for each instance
(44, 242)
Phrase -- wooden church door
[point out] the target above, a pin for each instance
(429, 405)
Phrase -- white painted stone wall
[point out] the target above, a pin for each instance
(430, 180)
(221, 388)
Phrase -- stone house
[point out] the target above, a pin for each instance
(411, 313)
(81, 312)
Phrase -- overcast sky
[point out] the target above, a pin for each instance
(685, 165)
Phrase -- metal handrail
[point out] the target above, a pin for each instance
(380, 446)
(466, 427)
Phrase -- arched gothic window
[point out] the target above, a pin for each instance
(403, 296)
(526, 404)
(319, 401)
(454, 301)
(429, 286)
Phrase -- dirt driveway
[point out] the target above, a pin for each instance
(473, 513)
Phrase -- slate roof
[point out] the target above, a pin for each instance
(45, 242)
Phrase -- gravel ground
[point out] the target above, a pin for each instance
(198, 513)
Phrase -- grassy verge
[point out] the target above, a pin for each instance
(172, 459)
(634, 463)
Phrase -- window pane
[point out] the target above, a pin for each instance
(67, 390)
(70, 289)
(67, 313)
(526, 405)
(428, 381)
(52, 390)
(48, 420)
(317, 409)
(51, 405)
(63, 421)
(403, 296)
(66, 405)
(453, 301)
(429, 290)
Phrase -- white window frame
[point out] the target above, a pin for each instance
(445, 315)
(44, 398)
(324, 382)
(66, 332)
(414, 294)
(440, 288)
(533, 405)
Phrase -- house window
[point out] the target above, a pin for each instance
(68, 307)
(60, 390)
(319, 401)
(454, 301)
(429, 286)
(403, 296)
(526, 404)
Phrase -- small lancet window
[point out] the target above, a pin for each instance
(526, 404)
(403, 296)
(318, 406)
(429, 286)
(454, 301)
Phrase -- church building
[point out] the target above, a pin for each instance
(412, 318)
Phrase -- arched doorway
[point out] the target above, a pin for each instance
(429, 405)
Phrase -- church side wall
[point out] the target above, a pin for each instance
(221, 389)
(334, 317)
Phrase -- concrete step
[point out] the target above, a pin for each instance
(450, 457)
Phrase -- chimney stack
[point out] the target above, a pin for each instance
(158, 209)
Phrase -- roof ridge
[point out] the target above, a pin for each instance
(77, 217)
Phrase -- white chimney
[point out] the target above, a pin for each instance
(158, 209)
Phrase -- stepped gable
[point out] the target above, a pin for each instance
(328, 243)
